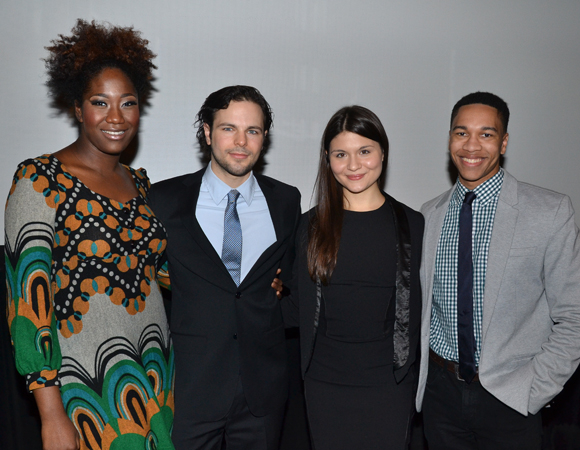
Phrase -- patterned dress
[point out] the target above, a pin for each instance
(84, 308)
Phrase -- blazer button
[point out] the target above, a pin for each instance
(235, 336)
(238, 295)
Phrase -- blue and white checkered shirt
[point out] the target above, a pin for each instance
(443, 338)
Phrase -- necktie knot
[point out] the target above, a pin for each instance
(469, 197)
(233, 196)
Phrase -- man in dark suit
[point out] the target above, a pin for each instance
(229, 230)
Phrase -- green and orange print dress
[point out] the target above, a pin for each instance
(84, 308)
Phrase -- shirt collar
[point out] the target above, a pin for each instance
(483, 193)
(218, 189)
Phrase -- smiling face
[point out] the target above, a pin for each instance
(476, 141)
(109, 113)
(236, 139)
(356, 163)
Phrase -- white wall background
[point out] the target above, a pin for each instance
(407, 60)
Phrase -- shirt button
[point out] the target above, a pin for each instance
(238, 294)
(235, 336)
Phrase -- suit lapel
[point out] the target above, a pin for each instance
(275, 206)
(191, 189)
(276, 209)
(504, 225)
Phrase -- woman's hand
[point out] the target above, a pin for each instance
(58, 432)
(277, 285)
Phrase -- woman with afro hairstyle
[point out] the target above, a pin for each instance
(83, 249)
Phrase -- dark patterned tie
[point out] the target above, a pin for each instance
(465, 336)
(232, 246)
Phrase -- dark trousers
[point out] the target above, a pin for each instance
(238, 430)
(465, 416)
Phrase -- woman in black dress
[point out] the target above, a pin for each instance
(356, 294)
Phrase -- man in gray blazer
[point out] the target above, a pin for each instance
(500, 274)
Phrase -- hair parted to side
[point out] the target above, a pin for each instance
(221, 99)
(484, 98)
(75, 60)
(326, 224)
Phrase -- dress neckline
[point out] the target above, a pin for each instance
(129, 169)
(367, 212)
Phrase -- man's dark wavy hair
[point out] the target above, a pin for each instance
(221, 100)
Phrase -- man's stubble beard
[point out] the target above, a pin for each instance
(238, 171)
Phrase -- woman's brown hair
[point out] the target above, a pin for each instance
(326, 223)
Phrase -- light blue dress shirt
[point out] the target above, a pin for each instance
(257, 227)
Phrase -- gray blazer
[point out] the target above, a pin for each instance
(531, 306)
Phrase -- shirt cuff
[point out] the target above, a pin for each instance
(42, 379)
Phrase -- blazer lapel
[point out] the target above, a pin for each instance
(191, 189)
(275, 206)
(276, 209)
(504, 225)
(433, 225)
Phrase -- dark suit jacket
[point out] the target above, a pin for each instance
(221, 331)
(302, 307)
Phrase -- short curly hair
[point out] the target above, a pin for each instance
(485, 98)
(76, 59)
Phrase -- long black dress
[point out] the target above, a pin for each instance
(352, 397)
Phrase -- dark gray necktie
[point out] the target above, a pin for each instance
(232, 245)
(465, 336)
